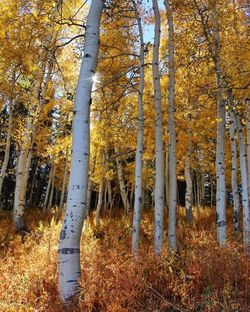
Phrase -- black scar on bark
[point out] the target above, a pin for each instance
(68, 251)
(71, 281)
(140, 199)
(63, 235)
(221, 223)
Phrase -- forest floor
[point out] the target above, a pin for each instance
(201, 277)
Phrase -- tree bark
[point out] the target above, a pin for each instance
(65, 176)
(172, 132)
(188, 178)
(244, 184)
(139, 147)
(159, 154)
(100, 202)
(69, 243)
(234, 180)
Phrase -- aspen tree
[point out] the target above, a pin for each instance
(234, 173)
(172, 132)
(159, 154)
(188, 177)
(69, 243)
(139, 146)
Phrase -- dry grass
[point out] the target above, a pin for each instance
(201, 277)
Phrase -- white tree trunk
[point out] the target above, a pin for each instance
(188, 178)
(100, 202)
(45, 204)
(7, 146)
(69, 243)
(244, 184)
(139, 147)
(172, 133)
(234, 173)
(159, 153)
(166, 177)
(65, 176)
(220, 144)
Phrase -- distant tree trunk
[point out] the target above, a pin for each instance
(69, 243)
(139, 147)
(25, 156)
(248, 147)
(202, 189)
(122, 184)
(211, 191)
(7, 146)
(167, 177)
(46, 200)
(234, 180)
(21, 178)
(100, 201)
(172, 133)
(65, 176)
(52, 188)
(188, 178)
(32, 186)
(159, 154)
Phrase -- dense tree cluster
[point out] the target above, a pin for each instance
(155, 124)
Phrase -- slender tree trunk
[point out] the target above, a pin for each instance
(220, 144)
(167, 177)
(52, 188)
(65, 176)
(234, 180)
(100, 202)
(32, 186)
(25, 156)
(211, 191)
(248, 149)
(7, 147)
(139, 148)
(122, 184)
(21, 178)
(244, 183)
(69, 243)
(159, 154)
(188, 178)
(172, 133)
(45, 204)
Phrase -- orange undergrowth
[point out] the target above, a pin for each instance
(201, 277)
